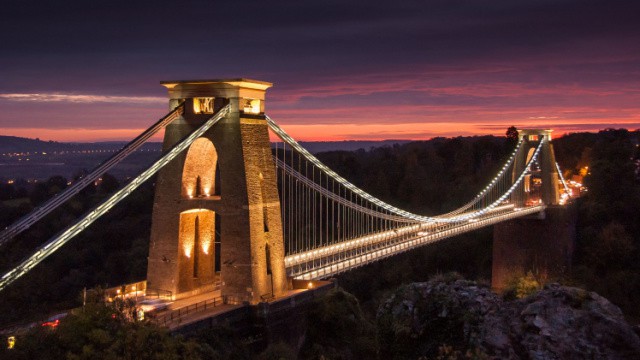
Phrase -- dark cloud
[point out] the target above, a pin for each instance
(502, 54)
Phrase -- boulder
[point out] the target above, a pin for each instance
(557, 322)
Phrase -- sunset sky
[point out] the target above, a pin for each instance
(367, 70)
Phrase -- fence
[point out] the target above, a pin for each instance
(176, 315)
(159, 294)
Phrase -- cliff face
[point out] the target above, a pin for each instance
(557, 322)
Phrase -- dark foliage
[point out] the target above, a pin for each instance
(609, 222)
(110, 252)
(105, 331)
(428, 177)
(339, 330)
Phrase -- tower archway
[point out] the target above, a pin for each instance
(546, 176)
(189, 207)
(199, 171)
(196, 249)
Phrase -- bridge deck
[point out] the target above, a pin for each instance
(323, 264)
(192, 309)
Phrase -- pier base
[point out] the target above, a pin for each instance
(542, 245)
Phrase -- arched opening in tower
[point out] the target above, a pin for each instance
(532, 181)
(197, 249)
(200, 172)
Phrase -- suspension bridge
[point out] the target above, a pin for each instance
(242, 205)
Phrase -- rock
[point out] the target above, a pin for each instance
(557, 322)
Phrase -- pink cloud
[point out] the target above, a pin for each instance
(79, 98)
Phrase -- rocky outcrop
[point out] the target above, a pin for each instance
(557, 322)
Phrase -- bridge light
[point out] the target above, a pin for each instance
(252, 106)
(203, 105)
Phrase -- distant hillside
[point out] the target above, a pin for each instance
(18, 144)
(347, 145)
(12, 144)
(23, 158)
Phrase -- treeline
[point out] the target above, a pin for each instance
(112, 251)
(444, 173)
(609, 221)
(428, 177)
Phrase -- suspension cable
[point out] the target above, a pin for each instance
(420, 218)
(564, 182)
(335, 197)
(41, 211)
(63, 237)
(490, 187)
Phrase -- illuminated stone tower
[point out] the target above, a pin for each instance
(549, 193)
(542, 244)
(221, 190)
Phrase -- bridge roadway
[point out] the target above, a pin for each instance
(327, 261)
(190, 310)
(330, 260)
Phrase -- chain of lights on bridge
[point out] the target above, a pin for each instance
(384, 228)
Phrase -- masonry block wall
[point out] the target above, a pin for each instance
(236, 153)
(550, 194)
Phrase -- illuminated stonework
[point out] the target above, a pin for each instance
(549, 189)
(203, 105)
(199, 174)
(245, 210)
(252, 106)
(197, 253)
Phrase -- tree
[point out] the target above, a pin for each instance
(7, 191)
(338, 329)
(104, 331)
(612, 250)
(512, 137)
(108, 184)
(55, 184)
(614, 193)
(609, 217)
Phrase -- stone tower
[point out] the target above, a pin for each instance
(541, 244)
(549, 194)
(222, 190)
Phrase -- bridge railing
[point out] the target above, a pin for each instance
(176, 316)
(328, 269)
(159, 294)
